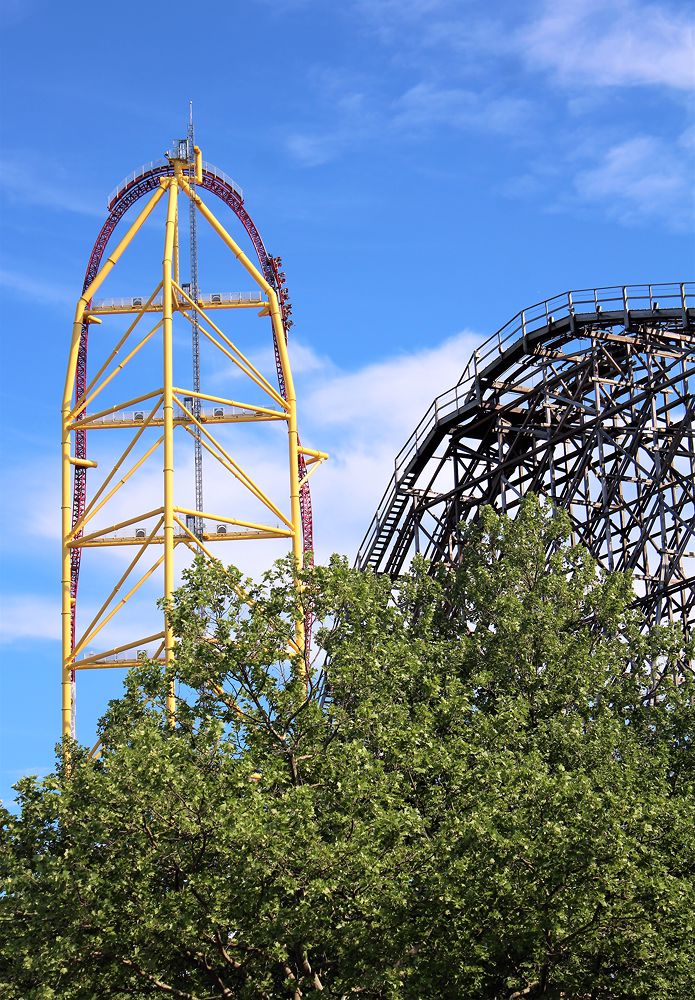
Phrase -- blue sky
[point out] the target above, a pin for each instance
(424, 167)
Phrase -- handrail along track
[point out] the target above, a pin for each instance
(570, 397)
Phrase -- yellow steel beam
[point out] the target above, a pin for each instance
(313, 466)
(66, 506)
(90, 508)
(198, 542)
(88, 515)
(120, 343)
(168, 411)
(230, 536)
(314, 455)
(82, 665)
(119, 368)
(240, 363)
(125, 664)
(236, 470)
(124, 541)
(281, 532)
(176, 248)
(96, 311)
(234, 353)
(88, 634)
(124, 600)
(247, 535)
(279, 334)
(251, 407)
(84, 424)
(170, 517)
(117, 526)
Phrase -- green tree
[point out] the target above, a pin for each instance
(486, 793)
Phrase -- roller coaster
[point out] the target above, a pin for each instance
(588, 399)
(170, 407)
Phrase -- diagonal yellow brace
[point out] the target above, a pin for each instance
(119, 368)
(91, 511)
(90, 632)
(237, 358)
(234, 467)
(118, 649)
(120, 344)
(117, 526)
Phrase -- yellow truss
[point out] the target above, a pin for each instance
(165, 526)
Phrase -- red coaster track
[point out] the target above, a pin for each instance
(138, 185)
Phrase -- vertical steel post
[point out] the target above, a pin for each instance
(168, 417)
(67, 467)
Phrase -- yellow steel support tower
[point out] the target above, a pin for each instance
(167, 524)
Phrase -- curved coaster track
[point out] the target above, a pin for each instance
(131, 189)
(587, 399)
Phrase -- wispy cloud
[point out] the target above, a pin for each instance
(28, 616)
(549, 62)
(23, 181)
(642, 177)
(354, 119)
(612, 43)
(582, 42)
(421, 108)
(428, 106)
(34, 288)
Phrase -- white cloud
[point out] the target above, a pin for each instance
(423, 106)
(363, 418)
(426, 105)
(612, 43)
(28, 616)
(32, 287)
(382, 401)
(644, 177)
(317, 149)
(26, 183)
(403, 21)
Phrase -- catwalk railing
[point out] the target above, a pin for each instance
(580, 307)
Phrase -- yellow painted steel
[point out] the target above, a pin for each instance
(168, 410)
(121, 342)
(279, 331)
(66, 506)
(236, 356)
(166, 524)
(236, 470)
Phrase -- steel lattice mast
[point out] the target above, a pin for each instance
(195, 333)
(133, 434)
(587, 398)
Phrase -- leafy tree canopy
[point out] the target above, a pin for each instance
(486, 793)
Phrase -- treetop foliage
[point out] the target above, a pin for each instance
(485, 791)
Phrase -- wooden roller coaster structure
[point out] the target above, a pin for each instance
(587, 398)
